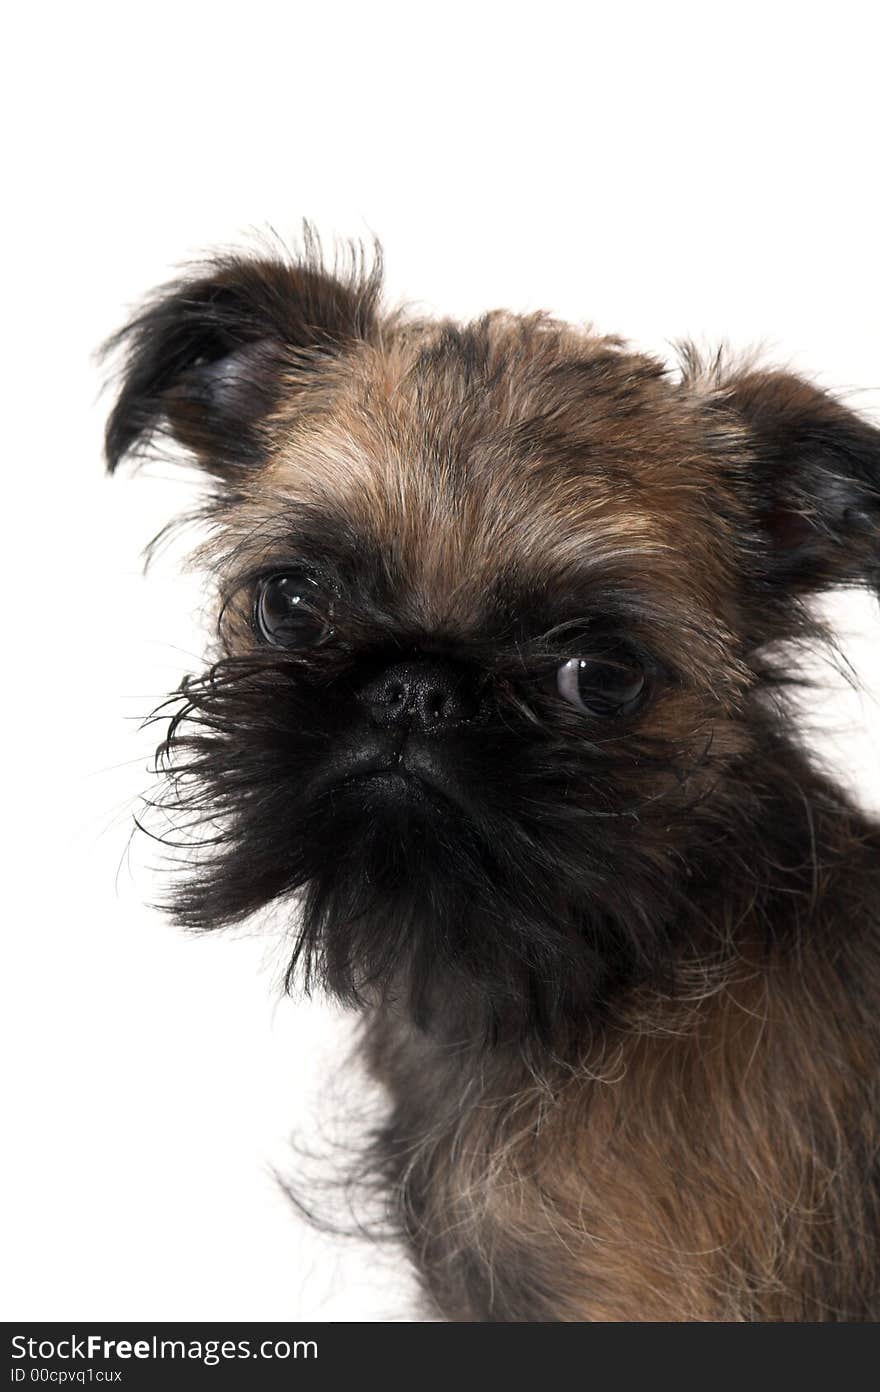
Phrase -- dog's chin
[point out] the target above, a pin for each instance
(392, 831)
(409, 904)
(410, 880)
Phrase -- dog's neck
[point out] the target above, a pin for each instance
(766, 889)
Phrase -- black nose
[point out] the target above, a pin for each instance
(424, 694)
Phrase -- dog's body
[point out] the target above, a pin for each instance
(714, 1157)
(504, 614)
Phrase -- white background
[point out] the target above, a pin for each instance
(663, 170)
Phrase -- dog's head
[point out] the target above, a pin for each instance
(494, 610)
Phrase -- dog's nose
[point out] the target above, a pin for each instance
(423, 694)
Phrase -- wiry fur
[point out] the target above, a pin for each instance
(621, 979)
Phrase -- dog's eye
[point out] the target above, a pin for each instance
(612, 684)
(290, 611)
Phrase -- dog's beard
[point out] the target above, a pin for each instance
(512, 899)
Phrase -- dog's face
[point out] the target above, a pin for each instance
(494, 609)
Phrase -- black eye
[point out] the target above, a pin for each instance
(290, 611)
(612, 684)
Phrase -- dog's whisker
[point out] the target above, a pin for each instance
(508, 623)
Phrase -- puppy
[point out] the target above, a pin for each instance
(504, 612)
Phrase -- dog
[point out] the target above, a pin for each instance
(506, 615)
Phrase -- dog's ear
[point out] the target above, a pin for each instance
(813, 477)
(206, 356)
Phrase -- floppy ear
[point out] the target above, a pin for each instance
(815, 480)
(206, 356)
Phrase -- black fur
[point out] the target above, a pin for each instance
(206, 354)
(504, 886)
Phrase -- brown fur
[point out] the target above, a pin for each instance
(705, 1159)
(703, 1145)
